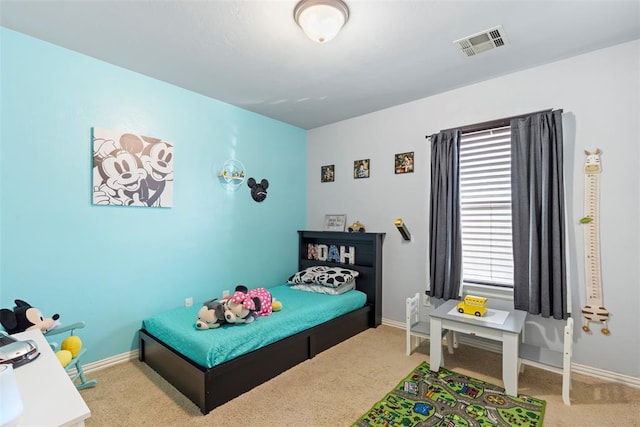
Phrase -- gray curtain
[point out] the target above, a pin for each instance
(445, 243)
(538, 215)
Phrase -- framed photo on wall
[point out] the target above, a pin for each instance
(327, 173)
(404, 162)
(361, 168)
(334, 222)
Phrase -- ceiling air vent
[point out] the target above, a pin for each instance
(482, 41)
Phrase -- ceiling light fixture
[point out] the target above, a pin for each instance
(321, 20)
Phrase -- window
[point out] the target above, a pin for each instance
(485, 206)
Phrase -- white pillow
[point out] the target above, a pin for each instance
(322, 289)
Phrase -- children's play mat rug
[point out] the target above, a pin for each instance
(449, 399)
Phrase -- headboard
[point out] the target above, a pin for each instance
(365, 248)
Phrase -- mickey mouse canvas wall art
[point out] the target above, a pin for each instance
(131, 170)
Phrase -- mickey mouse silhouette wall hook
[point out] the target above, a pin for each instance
(258, 190)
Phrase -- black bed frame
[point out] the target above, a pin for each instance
(202, 385)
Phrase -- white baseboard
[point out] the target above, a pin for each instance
(394, 323)
(110, 361)
(608, 375)
(575, 367)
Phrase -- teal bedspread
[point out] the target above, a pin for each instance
(301, 310)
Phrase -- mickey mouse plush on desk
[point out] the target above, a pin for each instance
(23, 317)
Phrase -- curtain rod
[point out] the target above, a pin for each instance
(493, 123)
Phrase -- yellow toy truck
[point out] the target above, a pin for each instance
(473, 305)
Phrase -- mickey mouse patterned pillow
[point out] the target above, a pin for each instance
(324, 275)
(335, 276)
(307, 276)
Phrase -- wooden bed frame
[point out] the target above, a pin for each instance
(244, 373)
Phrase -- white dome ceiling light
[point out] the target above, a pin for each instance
(321, 20)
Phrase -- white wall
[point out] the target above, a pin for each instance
(600, 95)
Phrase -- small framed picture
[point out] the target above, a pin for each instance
(334, 222)
(361, 168)
(404, 162)
(327, 173)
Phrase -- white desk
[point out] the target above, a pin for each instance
(507, 332)
(48, 395)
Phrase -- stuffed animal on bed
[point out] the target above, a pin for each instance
(245, 305)
(24, 317)
(211, 315)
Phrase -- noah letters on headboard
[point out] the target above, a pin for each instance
(331, 253)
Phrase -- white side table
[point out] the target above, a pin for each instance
(508, 333)
(49, 396)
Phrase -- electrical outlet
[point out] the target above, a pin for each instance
(188, 302)
(225, 293)
(426, 300)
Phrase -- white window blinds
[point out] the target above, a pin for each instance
(485, 199)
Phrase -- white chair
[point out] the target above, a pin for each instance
(560, 360)
(419, 329)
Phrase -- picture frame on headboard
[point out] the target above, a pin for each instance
(335, 222)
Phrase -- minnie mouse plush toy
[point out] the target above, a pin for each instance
(244, 305)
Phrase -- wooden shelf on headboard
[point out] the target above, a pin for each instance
(368, 260)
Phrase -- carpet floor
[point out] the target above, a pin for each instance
(339, 385)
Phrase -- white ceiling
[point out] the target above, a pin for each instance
(251, 53)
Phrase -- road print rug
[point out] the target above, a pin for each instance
(449, 399)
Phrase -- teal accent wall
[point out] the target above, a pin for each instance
(113, 266)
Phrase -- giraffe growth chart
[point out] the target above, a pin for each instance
(594, 311)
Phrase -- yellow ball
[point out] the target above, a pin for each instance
(73, 344)
(64, 357)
